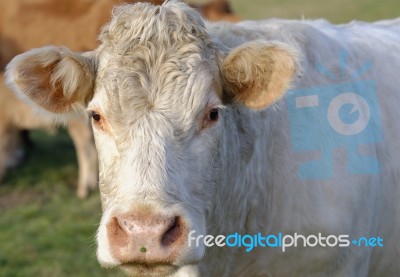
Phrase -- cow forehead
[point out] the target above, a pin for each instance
(173, 24)
(167, 65)
(130, 93)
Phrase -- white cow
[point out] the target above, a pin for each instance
(188, 148)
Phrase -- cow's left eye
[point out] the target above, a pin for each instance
(214, 113)
(210, 117)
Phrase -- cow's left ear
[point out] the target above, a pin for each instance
(258, 73)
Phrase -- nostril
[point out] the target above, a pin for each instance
(146, 238)
(173, 233)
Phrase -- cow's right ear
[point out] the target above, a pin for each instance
(52, 78)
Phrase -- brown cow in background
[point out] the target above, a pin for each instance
(27, 24)
(217, 10)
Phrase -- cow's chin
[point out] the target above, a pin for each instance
(143, 270)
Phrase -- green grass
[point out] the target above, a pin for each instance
(337, 11)
(46, 231)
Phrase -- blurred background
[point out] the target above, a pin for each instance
(336, 11)
(45, 230)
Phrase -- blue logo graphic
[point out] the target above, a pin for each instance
(339, 115)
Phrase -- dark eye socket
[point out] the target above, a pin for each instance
(214, 113)
(96, 117)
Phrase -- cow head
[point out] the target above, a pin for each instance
(165, 101)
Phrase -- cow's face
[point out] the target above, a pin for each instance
(160, 94)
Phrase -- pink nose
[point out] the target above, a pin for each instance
(146, 238)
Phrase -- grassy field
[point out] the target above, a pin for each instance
(337, 11)
(46, 231)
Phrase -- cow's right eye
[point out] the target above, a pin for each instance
(96, 117)
(98, 120)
